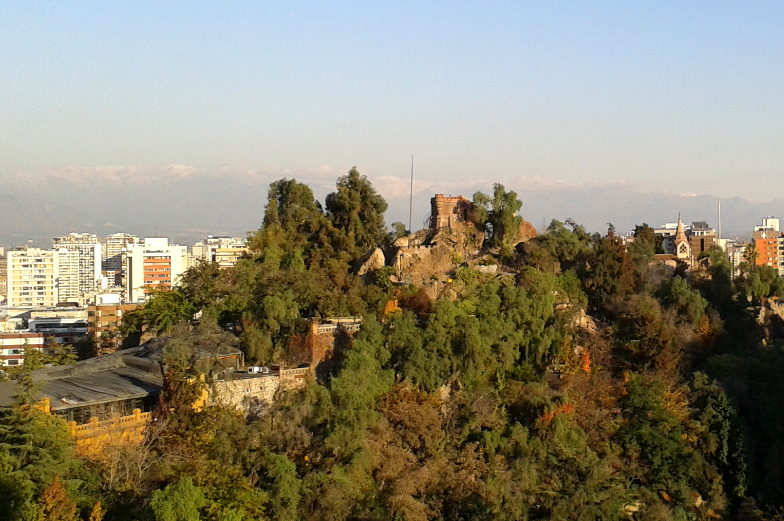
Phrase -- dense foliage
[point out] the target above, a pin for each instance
(581, 380)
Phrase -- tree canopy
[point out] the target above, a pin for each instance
(572, 377)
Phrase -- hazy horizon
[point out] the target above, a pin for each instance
(115, 100)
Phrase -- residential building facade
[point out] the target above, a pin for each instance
(32, 275)
(115, 259)
(225, 251)
(87, 246)
(154, 265)
(769, 244)
(13, 345)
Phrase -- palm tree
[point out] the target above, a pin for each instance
(751, 254)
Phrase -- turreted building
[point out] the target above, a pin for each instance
(446, 211)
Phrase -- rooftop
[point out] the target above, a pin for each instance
(127, 374)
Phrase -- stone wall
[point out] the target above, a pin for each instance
(295, 378)
(252, 395)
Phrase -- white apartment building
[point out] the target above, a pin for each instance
(32, 277)
(154, 265)
(67, 281)
(3, 278)
(88, 248)
(768, 224)
(115, 263)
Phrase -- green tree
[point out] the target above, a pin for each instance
(201, 283)
(284, 487)
(179, 501)
(361, 381)
(398, 230)
(655, 436)
(358, 210)
(35, 448)
(499, 213)
(58, 353)
(292, 215)
(160, 314)
(646, 242)
(503, 216)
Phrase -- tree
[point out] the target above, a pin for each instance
(399, 230)
(751, 255)
(200, 284)
(179, 501)
(55, 505)
(97, 512)
(292, 210)
(503, 216)
(612, 272)
(645, 245)
(655, 436)
(59, 354)
(165, 310)
(362, 380)
(358, 210)
(499, 214)
(285, 487)
(36, 455)
(183, 384)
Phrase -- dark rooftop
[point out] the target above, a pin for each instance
(130, 373)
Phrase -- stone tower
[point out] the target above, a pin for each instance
(447, 211)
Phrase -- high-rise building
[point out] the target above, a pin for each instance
(115, 261)
(154, 265)
(768, 224)
(40, 278)
(88, 248)
(32, 277)
(3, 277)
(769, 244)
(68, 278)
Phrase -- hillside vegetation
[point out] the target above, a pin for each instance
(579, 380)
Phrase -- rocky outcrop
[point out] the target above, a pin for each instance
(585, 323)
(375, 261)
(525, 233)
(770, 316)
(427, 259)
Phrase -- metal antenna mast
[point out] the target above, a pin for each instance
(719, 203)
(411, 196)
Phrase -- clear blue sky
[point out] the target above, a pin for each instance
(684, 96)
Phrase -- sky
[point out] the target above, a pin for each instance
(683, 97)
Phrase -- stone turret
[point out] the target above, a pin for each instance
(446, 212)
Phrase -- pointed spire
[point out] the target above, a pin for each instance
(680, 234)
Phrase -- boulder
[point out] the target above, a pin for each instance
(375, 261)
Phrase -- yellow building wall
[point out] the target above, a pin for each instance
(92, 437)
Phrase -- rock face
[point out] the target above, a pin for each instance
(429, 257)
(375, 261)
(430, 260)
(525, 233)
(771, 317)
(585, 323)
